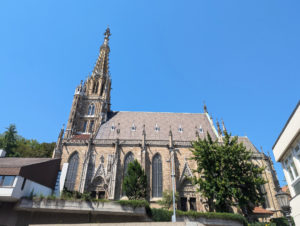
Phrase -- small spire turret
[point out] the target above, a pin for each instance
(205, 108)
(219, 128)
(223, 126)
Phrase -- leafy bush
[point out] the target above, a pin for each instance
(134, 203)
(167, 199)
(161, 215)
(166, 215)
(135, 181)
(282, 221)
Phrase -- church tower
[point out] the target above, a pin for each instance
(91, 101)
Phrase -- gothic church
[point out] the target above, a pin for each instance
(98, 144)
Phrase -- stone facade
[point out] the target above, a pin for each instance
(103, 139)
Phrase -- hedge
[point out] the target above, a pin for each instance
(166, 215)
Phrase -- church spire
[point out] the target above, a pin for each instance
(102, 65)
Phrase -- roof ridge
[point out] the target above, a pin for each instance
(161, 112)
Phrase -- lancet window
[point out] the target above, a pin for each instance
(157, 176)
(91, 110)
(72, 171)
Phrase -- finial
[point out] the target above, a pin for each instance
(205, 108)
(223, 126)
(107, 33)
(170, 131)
(218, 127)
(144, 131)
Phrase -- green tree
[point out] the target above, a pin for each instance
(226, 175)
(9, 141)
(17, 146)
(135, 181)
(167, 199)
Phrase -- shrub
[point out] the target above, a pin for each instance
(167, 199)
(135, 181)
(282, 221)
(134, 203)
(166, 215)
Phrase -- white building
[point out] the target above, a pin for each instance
(23, 177)
(287, 151)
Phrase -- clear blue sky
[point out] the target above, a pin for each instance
(240, 57)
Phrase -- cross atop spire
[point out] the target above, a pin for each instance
(107, 33)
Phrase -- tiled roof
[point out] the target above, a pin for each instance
(248, 144)
(124, 121)
(285, 189)
(259, 210)
(81, 137)
(19, 162)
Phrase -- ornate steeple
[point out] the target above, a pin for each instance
(102, 65)
(91, 102)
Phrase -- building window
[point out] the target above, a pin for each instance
(128, 159)
(72, 171)
(133, 127)
(157, 129)
(263, 193)
(180, 129)
(95, 87)
(193, 205)
(84, 126)
(200, 129)
(291, 168)
(7, 181)
(156, 176)
(91, 126)
(91, 110)
(113, 127)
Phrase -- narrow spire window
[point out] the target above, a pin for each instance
(156, 176)
(91, 126)
(84, 126)
(72, 171)
(95, 87)
(91, 110)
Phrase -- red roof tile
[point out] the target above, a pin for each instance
(259, 210)
(81, 137)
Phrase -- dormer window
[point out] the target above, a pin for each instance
(200, 129)
(180, 129)
(133, 127)
(113, 127)
(91, 110)
(157, 129)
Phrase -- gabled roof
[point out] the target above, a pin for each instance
(124, 121)
(248, 144)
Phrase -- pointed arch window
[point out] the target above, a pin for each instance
(128, 159)
(84, 126)
(157, 176)
(95, 87)
(91, 126)
(91, 110)
(72, 171)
